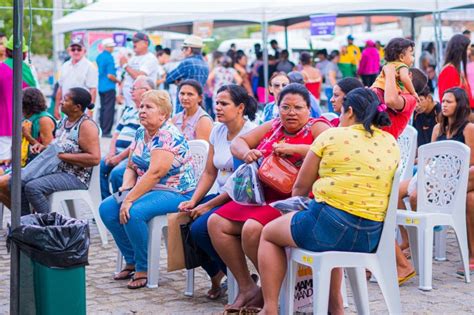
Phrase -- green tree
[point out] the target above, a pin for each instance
(41, 26)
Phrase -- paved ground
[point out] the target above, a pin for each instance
(450, 295)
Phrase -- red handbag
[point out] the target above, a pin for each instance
(278, 173)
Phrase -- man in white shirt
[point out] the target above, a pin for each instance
(76, 72)
(143, 63)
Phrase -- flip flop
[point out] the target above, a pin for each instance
(250, 310)
(131, 272)
(231, 311)
(131, 287)
(214, 294)
(405, 279)
(460, 270)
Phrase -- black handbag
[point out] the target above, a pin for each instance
(194, 256)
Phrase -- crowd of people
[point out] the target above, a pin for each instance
(345, 165)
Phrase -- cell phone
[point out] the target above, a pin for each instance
(121, 195)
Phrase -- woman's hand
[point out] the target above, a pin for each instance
(125, 211)
(199, 211)
(252, 156)
(37, 148)
(186, 206)
(113, 160)
(283, 149)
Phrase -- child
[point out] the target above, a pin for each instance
(400, 53)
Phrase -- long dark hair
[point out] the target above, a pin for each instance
(367, 108)
(456, 52)
(239, 95)
(461, 114)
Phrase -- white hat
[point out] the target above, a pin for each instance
(193, 42)
(108, 42)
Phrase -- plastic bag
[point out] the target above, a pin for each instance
(53, 240)
(298, 203)
(194, 256)
(45, 163)
(244, 186)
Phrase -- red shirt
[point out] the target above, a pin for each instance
(449, 78)
(401, 118)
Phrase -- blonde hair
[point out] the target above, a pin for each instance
(161, 99)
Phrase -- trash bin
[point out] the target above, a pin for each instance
(53, 255)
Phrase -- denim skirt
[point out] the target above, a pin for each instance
(325, 228)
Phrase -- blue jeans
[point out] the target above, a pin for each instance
(132, 237)
(325, 228)
(111, 174)
(328, 92)
(200, 235)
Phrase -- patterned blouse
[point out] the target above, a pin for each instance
(189, 129)
(180, 177)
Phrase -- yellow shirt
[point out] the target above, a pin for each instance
(380, 81)
(355, 51)
(356, 170)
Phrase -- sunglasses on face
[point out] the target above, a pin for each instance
(279, 86)
(76, 49)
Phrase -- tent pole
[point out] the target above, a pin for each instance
(286, 34)
(412, 27)
(265, 55)
(16, 146)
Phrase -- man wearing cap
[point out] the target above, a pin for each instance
(143, 63)
(192, 67)
(353, 49)
(107, 81)
(6, 97)
(76, 72)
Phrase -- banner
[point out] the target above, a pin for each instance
(203, 29)
(321, 25)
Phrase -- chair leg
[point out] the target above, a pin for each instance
(98, 220)
(358, 282)
(283, 299)
(1, 215)
(154, 247)
(232, 287)
(119, 262)
(291, 280)
(388, 283)
(413, 241)
(440, 244)
(189, 290)
(425, 243)
(461, 236)
(321, 285)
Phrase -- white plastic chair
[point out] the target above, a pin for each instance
(407, 142)
(198, 150)
(1, 215)
(443, 170)
(329, 116)
(91, 196)
(381, 263)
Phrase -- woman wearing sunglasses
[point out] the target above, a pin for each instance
(277, 82)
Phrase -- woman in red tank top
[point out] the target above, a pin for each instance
(235, 229)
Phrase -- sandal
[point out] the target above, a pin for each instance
(130, 272)
(406, 278)
(231, 311)
(250, 310)
(132, 287)
(214, 294)
(460, 270)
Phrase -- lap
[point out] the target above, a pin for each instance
(155, 203)
(278, 231)
(55, 182)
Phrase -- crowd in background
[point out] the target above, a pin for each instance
(348, 162)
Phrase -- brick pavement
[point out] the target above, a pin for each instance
(450, 295)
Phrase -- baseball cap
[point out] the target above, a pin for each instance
(350, 37)
(296, 77)
(77, 41)
(108, 42)
(138, 37)
(193, 42)
(9, 44)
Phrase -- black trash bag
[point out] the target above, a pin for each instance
(53, 240)
(194, 256)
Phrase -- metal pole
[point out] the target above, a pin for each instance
(412, 27)
(16, 147)
(265, 56)
(286, 34)
(58, 39)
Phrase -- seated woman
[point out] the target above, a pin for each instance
(277, 82)
(351, 185)
(79, 136)
(235, 229)
(159, 176)
(194, 122)
(39, 125)
(339, 91)
(453, 125)
(233, 107)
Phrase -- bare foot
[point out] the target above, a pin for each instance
(216, 290)
(243, 298)
(257, 300)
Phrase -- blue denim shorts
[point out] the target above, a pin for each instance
(325, 228)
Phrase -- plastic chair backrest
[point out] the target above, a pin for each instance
(329, 116)
(199, 150)
(407, 142)
(389, 226)
(443, 171)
